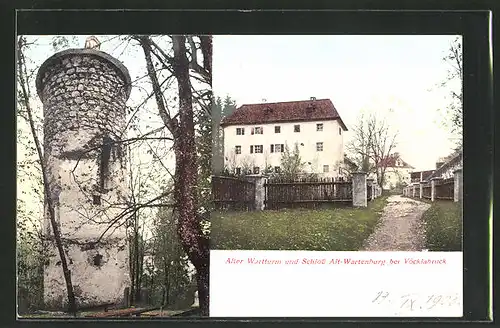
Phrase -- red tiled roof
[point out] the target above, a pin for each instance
(390, 161)
(305, 110)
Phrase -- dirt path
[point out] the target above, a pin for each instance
(401, 227)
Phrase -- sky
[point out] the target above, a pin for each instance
(397, 77)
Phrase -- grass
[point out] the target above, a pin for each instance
(443, 226)
(336, 229)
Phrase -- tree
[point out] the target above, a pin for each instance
(221, 109)
(291, 162)
(371, 145)
(182, 128)
(453, 82)
(170, 260)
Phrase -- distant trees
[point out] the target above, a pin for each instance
(221, 108)
(372, 143)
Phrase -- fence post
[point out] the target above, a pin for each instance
(260, 193)
(370, 184)
(359, 189)
(421, 193)
(433, 188)
(458, 188)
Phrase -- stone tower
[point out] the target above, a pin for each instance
(84, 92)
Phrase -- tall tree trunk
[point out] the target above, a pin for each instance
(194, 243)
(48, 198)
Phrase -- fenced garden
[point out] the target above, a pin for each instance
(325, 229)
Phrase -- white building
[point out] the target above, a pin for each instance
(397, 171)
(255, 136)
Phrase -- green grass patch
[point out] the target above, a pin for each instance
(335, 229)
(443, 226)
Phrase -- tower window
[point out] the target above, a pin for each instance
(104, 162)
(96, 200)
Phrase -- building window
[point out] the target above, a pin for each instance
(258, 149)
(240, 131)
(277, 129)
(237, 170)
(277, 148)
(251, 149)
(340, 131)
(319, 146)
(296, 128)
(277, 169)
(256, 170)
(319, 127)
(257, 130)
(326, 168)
(238, 150)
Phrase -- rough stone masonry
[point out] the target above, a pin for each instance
(84, 92)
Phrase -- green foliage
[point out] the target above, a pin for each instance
(29, 273)
(173, 287)
(338, 229)
(291, 162)
(443, 226)
(228, 106)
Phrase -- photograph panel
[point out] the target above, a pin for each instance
(114, 148)
(337, 150)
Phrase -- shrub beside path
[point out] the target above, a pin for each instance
(401, 226)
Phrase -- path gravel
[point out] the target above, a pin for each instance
(400, 228)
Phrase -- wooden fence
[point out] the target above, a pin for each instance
(445, 189)
(426, 191)
(307, 192)
(233, 193)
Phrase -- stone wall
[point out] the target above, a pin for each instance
(84, 92)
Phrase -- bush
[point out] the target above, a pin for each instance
(443, 226)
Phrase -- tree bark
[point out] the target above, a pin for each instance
(195, 244)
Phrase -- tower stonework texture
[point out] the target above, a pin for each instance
(84, 92)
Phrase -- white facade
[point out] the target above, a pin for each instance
(395, 175)
(320, 143)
